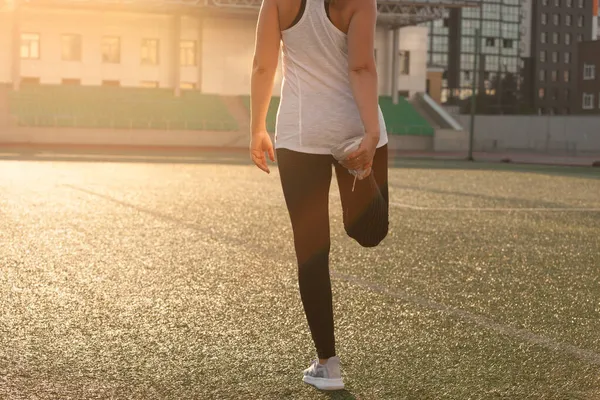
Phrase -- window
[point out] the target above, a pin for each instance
(554, 75)
(568, 19)
(580, 21)
(543, 56)
(111, 50)
(580, 37)
(567, 58)
(187, 85)
(149, 52)
(490, 42)
(543, 37)
(567, 94)
(507, 43)
(569, 3)
(589, 72)
(544, 2)
(111, 83)
(588, 101)
(555, 37)
(556, 3)
(542, 75)
(71, 47)
(541, 93)
(30, 46)
(580, 3)
(71, 82)
(567, 38)
(405, 62)
(556, 19)
(567, 76)
(188, 53)
(555, 56)
(554, 94)
(544, 19)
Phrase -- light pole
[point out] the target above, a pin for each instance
(474, 94)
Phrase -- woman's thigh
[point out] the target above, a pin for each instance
(306, 179)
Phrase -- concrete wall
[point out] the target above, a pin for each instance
(448, 140)
(228, 48)
(570, 134)
(113, 137)
(225, 46)
(5, 47)
(224, 61)
(140, 137)
(410, 143)
(383, 49)
(414, 39)
(131, 28)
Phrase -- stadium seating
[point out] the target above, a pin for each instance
(271, 114)
(117, 107)
(400, 119)
(403, 119)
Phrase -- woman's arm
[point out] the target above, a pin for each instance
(264, 66)
(361, 63)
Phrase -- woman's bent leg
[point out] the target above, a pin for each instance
(366, 209)
(306, 179)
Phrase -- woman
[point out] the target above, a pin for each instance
(328, 97)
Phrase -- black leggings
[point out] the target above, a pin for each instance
(306, 179)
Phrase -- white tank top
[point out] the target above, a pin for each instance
(317, 110)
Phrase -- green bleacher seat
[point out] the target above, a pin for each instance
(403, 119)
(118, 107)
(400, 119)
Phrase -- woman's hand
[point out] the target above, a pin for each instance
(362, 158)
(259, 145)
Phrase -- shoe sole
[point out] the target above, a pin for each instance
(323, 383)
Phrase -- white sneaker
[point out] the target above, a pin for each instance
(325, 376)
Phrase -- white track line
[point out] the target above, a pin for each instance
(516, 333)
(502, 209)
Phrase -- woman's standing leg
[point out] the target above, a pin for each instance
(306, 179)
(366, 209)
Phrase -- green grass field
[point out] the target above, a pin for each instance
(177, 280)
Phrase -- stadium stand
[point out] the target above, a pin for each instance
(403, 119)
(119, 107)
(150, 108)
(400, 119)
(271, 114)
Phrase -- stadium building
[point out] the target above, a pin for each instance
(171, 68)
(452, 46)
(558, 29)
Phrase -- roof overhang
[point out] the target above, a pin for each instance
(392, 13)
